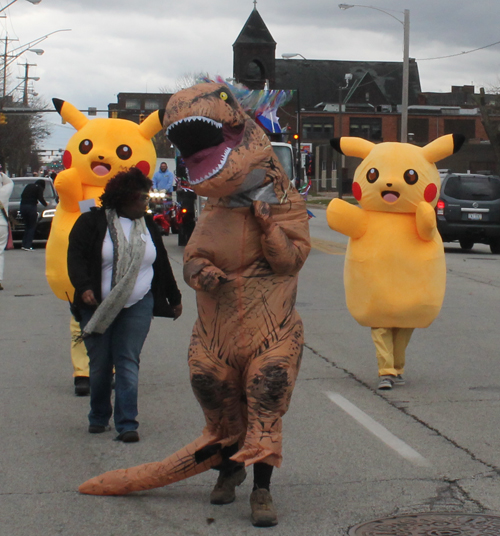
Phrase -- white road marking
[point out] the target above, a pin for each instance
(404, 450)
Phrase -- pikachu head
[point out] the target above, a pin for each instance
(396, 177)
(101, 147)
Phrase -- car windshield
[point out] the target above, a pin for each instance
(20, 184)
(473, 187)
(285, 157)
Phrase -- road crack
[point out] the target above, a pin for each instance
(404, 409)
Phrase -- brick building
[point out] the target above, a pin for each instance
(327, 104)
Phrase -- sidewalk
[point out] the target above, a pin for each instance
(322, 199)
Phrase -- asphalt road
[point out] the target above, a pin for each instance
(351, 453)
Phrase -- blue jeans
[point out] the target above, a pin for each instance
(30, 218)
(119, 346)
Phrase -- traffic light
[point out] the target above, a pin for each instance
(295, 137)
(141, 118)
(3, 119)
(114, 114)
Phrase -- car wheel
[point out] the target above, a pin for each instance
(466, 245)
(495, 247)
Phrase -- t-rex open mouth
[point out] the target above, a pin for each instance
(204, 145)
(390, 196)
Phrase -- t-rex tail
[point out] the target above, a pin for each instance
(191, 460)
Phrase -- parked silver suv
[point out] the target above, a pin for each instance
(468, 210)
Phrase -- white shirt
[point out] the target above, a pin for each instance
(143, 283)
(6, 187)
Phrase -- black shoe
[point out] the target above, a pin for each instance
(98, 428)
(82, 386)
(130, 436)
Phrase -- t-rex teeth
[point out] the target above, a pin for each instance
(214, 171)
(195, 118)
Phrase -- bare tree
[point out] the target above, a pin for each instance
(184, 81)
(20, 137)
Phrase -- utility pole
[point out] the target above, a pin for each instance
(5, 61)
(26, 79)
(406, 76)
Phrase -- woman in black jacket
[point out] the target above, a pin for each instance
(122, 277)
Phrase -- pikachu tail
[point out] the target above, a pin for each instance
(193, 459)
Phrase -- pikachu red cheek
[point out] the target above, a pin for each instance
(67, 159)
(430, 193)
(143, 166)
(356, 191)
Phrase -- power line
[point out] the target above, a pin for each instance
(459, 53)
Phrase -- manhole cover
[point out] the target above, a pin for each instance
(431, 525)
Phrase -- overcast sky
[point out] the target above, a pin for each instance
(119, 46)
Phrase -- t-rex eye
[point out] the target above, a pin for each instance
(372, 175)
(124, 152)
(223, 95)
(410, 176)
(85, 146)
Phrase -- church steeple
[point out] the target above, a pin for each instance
(254, 53)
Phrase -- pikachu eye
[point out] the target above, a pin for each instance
(85, 146)
(124, 152)
(223, 95)
(372, 175)
(410, 176)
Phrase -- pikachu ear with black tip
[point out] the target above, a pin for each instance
(442, 147)
(152, 124)
(352, 146)
(70, 114)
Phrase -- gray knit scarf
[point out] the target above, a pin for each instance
(127, 260)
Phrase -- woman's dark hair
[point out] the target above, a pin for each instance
(124, 188)
(41, 183)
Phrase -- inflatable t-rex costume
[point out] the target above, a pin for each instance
(243, 261)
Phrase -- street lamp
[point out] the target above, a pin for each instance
(18, 51)
(37, 51)
(287, 56)
(348, 78)
(14, 1)
(406, 62)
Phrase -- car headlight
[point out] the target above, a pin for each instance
(50, 213)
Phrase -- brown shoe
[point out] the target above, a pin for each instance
(223, 492)
(263, 511)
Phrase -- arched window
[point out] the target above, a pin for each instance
(255, 71)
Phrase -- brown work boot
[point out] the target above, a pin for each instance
(263, 511)
(223, 492)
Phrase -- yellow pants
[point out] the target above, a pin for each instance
(390, 345)
(79, 355)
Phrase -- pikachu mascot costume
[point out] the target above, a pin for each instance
(97, 152)
(395, 272)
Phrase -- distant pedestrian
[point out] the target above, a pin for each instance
(122, 277)
(30, 197)
(6, 187)
(163, 179)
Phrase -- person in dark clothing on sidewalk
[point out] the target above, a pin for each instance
(122, 277)
(30, 197)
